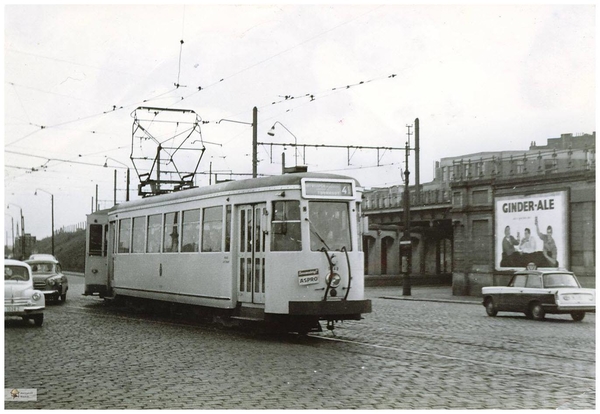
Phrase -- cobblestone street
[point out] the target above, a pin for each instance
(407, 354)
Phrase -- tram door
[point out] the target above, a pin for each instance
(112, 226)
(251, 221)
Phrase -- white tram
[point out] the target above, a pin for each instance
(283, 249)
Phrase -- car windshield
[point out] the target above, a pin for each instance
(330, 225)
(15, 273)
(38, 268)
(555, 280)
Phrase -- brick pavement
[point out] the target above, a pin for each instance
(414, 354)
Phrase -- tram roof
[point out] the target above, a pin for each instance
(252, 183)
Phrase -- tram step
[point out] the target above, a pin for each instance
(247, 318)
(252, 312)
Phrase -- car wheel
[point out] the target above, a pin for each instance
(38, 319)
(577, 316)
(490, 308)
(537, 312)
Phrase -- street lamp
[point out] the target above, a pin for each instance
(405, 242)
(22, 228)
(254, 125)
(12, 229)
(115, 192)
(52, 202)
(272, 133)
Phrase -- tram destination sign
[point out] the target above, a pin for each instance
(312, 188)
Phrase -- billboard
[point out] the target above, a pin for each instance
(531, 229)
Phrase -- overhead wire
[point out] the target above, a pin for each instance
(199, 88)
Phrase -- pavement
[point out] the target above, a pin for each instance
(420, 293)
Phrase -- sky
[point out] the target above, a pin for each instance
(479, 78)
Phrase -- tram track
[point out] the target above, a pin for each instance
(461, 360)
(381, 347)
(491, 343)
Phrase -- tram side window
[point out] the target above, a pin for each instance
(212, 229)
(154, 228)
(228, 228)
(171, 234)
(124, 235)
(190, 230)
(285, 227)
(96, 239)
(139, 232)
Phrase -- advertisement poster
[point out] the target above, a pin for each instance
(531, 229)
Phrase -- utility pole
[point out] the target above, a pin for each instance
(128, 181)
(52, 201)
(115, 188)
(417, 162)
(254, 142)
(405, 242)
(12, 228)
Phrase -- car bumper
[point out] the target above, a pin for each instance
(568, 309)
(11, 310)
(49, 292)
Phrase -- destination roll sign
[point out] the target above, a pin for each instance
(327, 189)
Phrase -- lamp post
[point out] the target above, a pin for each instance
(12, 229)
(254, 125)
(52, 203)
(405, 242)
(22, 228)
(115, 186)
(272, 133)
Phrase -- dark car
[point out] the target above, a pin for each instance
(49, 278)
(538, 292)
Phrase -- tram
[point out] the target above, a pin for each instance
(285, 250)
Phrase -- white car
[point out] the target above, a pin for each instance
(20, 298)
(42, 256)
(537, 292)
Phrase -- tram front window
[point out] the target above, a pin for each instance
(287, 236)
(329, 225)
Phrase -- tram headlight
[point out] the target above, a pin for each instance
(333, 279)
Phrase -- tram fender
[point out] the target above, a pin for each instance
(330, 308)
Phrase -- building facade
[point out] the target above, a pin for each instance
(458, 221)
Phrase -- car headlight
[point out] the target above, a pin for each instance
(36, 296)
(51, 282)
(333, 279)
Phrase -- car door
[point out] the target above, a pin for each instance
(511, 298)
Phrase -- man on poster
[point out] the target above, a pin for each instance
(549, 250)
(508, 247)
